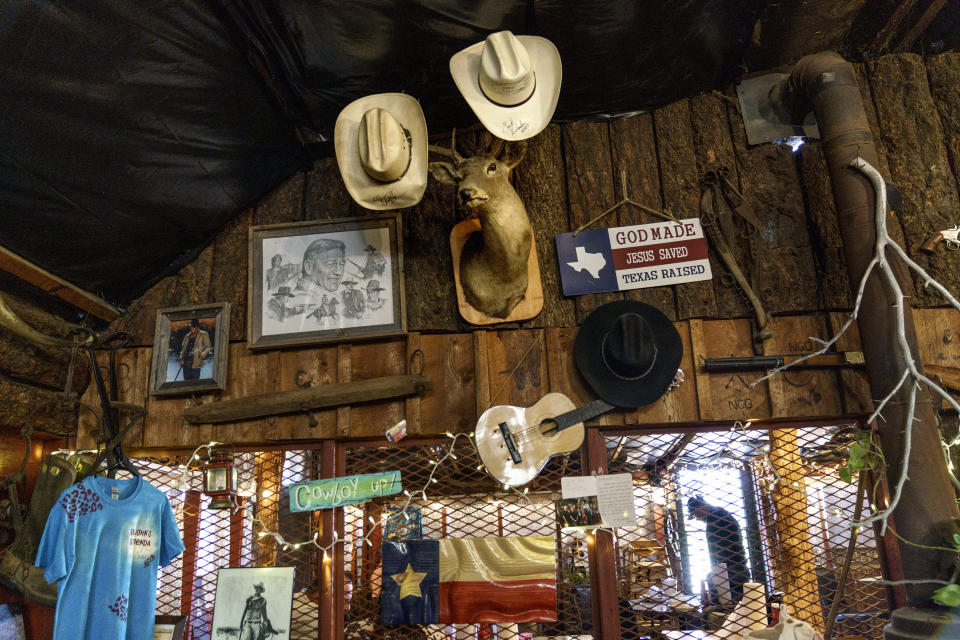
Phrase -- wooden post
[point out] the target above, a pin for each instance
(888, 547)
(268, 470)
(332, 463)
(602, 553)
(236, 532)
(191, 541)
(338, 551)
(686, 582)
(797, 576)
(758, 564)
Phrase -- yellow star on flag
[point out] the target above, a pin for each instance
(409, 582)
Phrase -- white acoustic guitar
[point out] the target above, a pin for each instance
(515, 442)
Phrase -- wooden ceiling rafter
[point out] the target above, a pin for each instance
(57, 286)
(894, 26)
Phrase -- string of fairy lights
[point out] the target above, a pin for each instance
(737, 431)
(409, 496)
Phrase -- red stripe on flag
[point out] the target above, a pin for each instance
(513, 601)
(666, 253)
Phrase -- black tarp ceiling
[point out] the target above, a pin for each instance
(130, 132)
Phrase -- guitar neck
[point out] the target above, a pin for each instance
(584, 413)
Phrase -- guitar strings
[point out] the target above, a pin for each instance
(518, 436)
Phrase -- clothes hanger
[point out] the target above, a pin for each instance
(110, 406)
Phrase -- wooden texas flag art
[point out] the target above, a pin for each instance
(469, 580)
(645, 255)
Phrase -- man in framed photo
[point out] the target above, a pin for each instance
(254, 623)
(194, 350)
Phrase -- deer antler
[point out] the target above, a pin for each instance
(496, 146)
(11, 321)
(448, 153)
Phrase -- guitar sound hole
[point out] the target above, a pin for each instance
(548, 428)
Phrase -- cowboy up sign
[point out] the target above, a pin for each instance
(646, 255)
(337, 492)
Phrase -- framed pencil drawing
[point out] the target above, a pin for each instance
(325, 281)
(190, 349)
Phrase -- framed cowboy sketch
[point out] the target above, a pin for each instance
(253, 603)
(190, 349)
(325, 281)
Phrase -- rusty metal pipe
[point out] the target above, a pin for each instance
(828, 83)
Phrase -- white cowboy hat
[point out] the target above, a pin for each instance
(511, 83)
(381, 146)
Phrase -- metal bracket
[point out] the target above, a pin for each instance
(766, 118)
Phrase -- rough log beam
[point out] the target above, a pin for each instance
(46, 366)
(41, 366)
(299, 400)
(57, 413)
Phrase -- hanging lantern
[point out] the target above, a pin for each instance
(220, 479)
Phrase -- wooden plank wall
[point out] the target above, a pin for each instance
(571, 173)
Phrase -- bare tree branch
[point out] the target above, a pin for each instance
(911, 372)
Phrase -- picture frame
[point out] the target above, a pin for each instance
(236, 599)
(169, 627)
(169, 375)
(325, 281)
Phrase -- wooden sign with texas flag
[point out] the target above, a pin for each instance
(469, 580)
(620, 258)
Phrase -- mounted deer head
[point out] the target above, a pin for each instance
(493, 265)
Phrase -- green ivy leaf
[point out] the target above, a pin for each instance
(948, 595)
(846, 474)
(857, 453)
(956, 540)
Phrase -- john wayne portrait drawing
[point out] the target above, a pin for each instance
(323, 281)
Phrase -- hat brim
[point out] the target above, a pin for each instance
(588, 355)
(523, 120)
(369, 193)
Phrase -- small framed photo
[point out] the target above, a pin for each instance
(325, 281)
(577, 513)
(253, 603)
(169, 627)
(190, 349)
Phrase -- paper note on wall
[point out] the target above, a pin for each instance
(614, 496)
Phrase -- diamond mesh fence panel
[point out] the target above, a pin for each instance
(735, 526)
(768, 505)
(219, 538)
(465, 502)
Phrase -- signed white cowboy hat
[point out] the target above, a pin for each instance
(511, 83)
(381, 146)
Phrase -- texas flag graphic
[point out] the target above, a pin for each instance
(468, 580)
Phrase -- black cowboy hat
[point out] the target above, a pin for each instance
(628, 351)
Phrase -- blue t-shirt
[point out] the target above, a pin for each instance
(104, 542)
